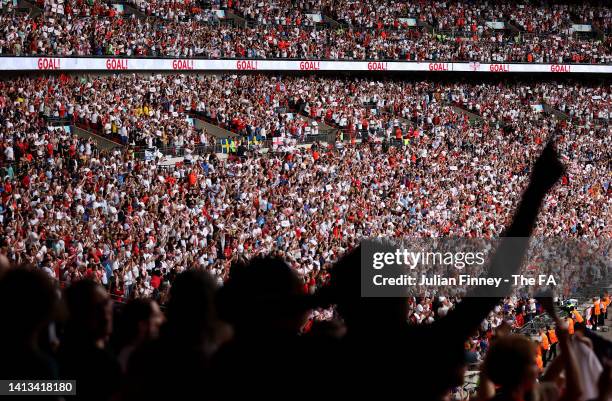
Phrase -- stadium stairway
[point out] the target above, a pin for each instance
(596, 32)
(584, 295)
(213, 129)
(429, 28)
(472, 116)
(324, 128)
(235, 18)
(332, 23)
(103, 143)
(558, 114)
(514, 27)
(511, 27)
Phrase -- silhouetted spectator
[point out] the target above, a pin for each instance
(266, 304)
(186, 343)
(28, 299)
(140, 322)
(381, 350)
(83, 354)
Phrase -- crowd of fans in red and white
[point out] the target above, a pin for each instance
(179, 29)
(77, 211)
(174, 10)
(280, 12)
(410, 159)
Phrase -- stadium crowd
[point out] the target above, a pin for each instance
(77, 8)
(282, 12)
(310, 204)
(213, 337)
(177, 29)
(174, 10)
(244, 268)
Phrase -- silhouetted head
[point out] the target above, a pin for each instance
(140, 321)
(265, 294)
(190, 310)
(511, 363)
(359, 312)
(28, 299)
(90, 311)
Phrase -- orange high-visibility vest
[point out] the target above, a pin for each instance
(578, 316)
(545, 344)
(597, 308)
(539, 362)
(605, 302)
(570, 325)
(553, 336)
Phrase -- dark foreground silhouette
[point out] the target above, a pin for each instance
(245, 340)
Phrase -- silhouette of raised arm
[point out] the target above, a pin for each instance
(469, 313)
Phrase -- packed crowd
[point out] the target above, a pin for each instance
(173, 10)
(280, 12)
(105, 224)
(442, 15)
(468, 17)
(77, 8)
(214, 336)
(312, 205)
(104, 32)
(600, 17)
(140, 112)
(595, 102)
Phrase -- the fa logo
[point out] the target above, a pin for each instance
(475, 66)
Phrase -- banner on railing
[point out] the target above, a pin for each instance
(408, 21)
(582, 28)
(152, 64)
(496, 24)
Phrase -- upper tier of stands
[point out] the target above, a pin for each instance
(326, 29)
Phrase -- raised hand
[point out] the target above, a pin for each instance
(546, 300)
(547, 170)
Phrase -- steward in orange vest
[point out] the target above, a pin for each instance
(597, 317)
(552, 336)
(577, 316)
(545, 345)
(570, 325)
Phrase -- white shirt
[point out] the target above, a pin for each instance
(9, 153)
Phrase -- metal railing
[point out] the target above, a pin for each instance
(140, 152)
